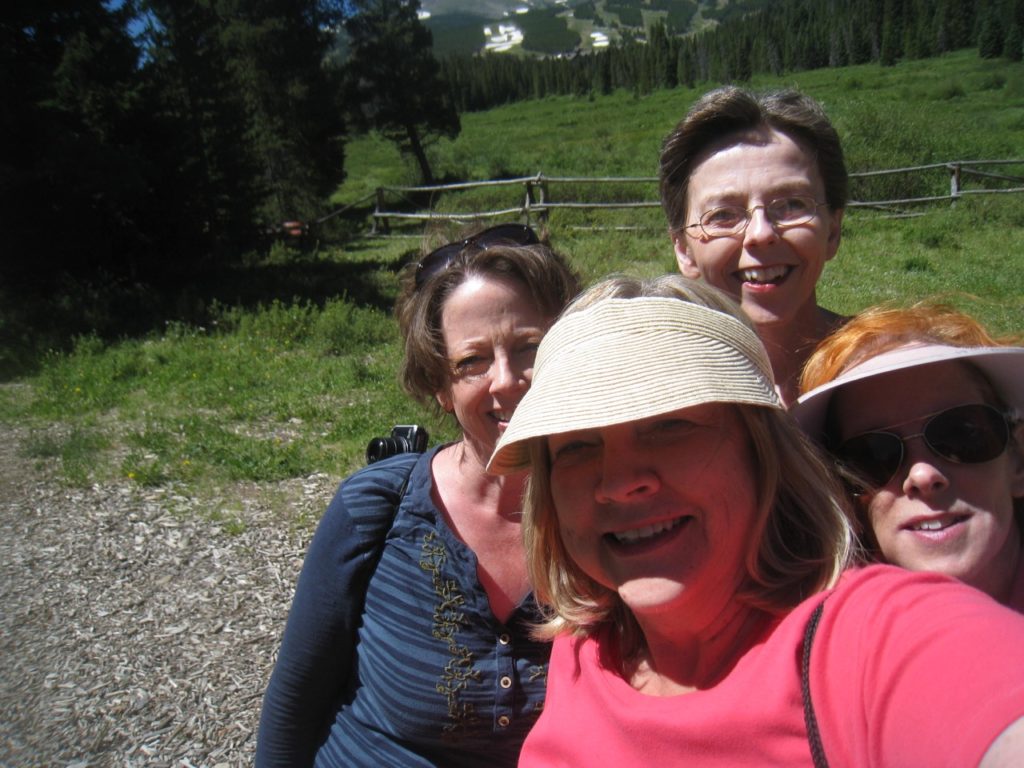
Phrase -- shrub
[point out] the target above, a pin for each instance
(343, 328)
(992, 81)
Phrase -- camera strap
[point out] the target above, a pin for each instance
(384, 496)
(810, 719)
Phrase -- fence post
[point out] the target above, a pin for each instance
(384, 229)
(954, 184)
(528, 202)
(542, 188)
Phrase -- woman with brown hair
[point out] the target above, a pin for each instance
(754, 186)
(408, 641)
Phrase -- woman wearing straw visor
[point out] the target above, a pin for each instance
(923, 408)
(691, 549)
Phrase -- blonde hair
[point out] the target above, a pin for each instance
(800, 544)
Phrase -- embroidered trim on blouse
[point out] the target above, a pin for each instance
(448, 620)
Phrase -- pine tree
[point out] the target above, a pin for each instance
(1014, 42)
(249, 117)
(943, 16)
(685, 70)
(212, 183)
(393, 81)
(73, 163)
(892, 32)
(603, 74)
(990, 35)
(964, 23)
(275, 50)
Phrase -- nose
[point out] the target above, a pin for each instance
(924, 477)
(504, 375)
(626, 475)
(760, 228)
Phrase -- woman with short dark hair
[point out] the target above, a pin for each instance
(754, 186)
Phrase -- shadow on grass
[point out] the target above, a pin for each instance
(46, 314)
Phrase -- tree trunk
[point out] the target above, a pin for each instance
(416, 147)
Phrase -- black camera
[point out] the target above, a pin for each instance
(405, 438)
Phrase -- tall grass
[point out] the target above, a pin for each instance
(280, 392)
(293, 387)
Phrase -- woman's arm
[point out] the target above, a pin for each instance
(315, 660)
(936, 669)
(1007, 751)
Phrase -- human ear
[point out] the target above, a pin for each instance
(687, 264)
(444, 399)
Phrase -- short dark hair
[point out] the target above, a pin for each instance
(725, 111)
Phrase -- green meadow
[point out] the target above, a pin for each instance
(957, 107)
(289, 387)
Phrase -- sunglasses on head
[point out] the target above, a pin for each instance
(501, 234)
(966, 434)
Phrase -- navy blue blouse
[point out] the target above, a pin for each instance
(402, 664)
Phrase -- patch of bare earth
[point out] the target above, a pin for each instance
(134, 629)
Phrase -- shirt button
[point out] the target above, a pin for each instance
(504, 720)
(504, 638)
(505, 682)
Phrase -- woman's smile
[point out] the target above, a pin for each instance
(763, 276)
(652, 509)
(631, 539)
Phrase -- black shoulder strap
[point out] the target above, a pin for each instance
(404, 474)
(372, 497)
(813, 736)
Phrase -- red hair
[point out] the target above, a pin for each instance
(882, 328)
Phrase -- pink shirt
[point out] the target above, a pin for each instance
(907, 669)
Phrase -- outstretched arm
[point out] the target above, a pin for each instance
(1007, 751)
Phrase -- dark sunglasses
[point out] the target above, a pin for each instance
(966, 434)
(501, 234)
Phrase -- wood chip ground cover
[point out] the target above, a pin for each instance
(134, 629)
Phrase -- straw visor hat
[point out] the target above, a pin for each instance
(1003, 366)
(623, 360)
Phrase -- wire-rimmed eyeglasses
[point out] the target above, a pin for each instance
(500, 234)
(782, 212)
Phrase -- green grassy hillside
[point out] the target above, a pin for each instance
(957, 107)
(298, 386)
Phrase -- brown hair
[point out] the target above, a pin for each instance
(723, 112)
(543, 274)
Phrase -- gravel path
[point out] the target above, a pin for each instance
(135, 630)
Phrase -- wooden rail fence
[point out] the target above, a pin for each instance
(536, 200)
